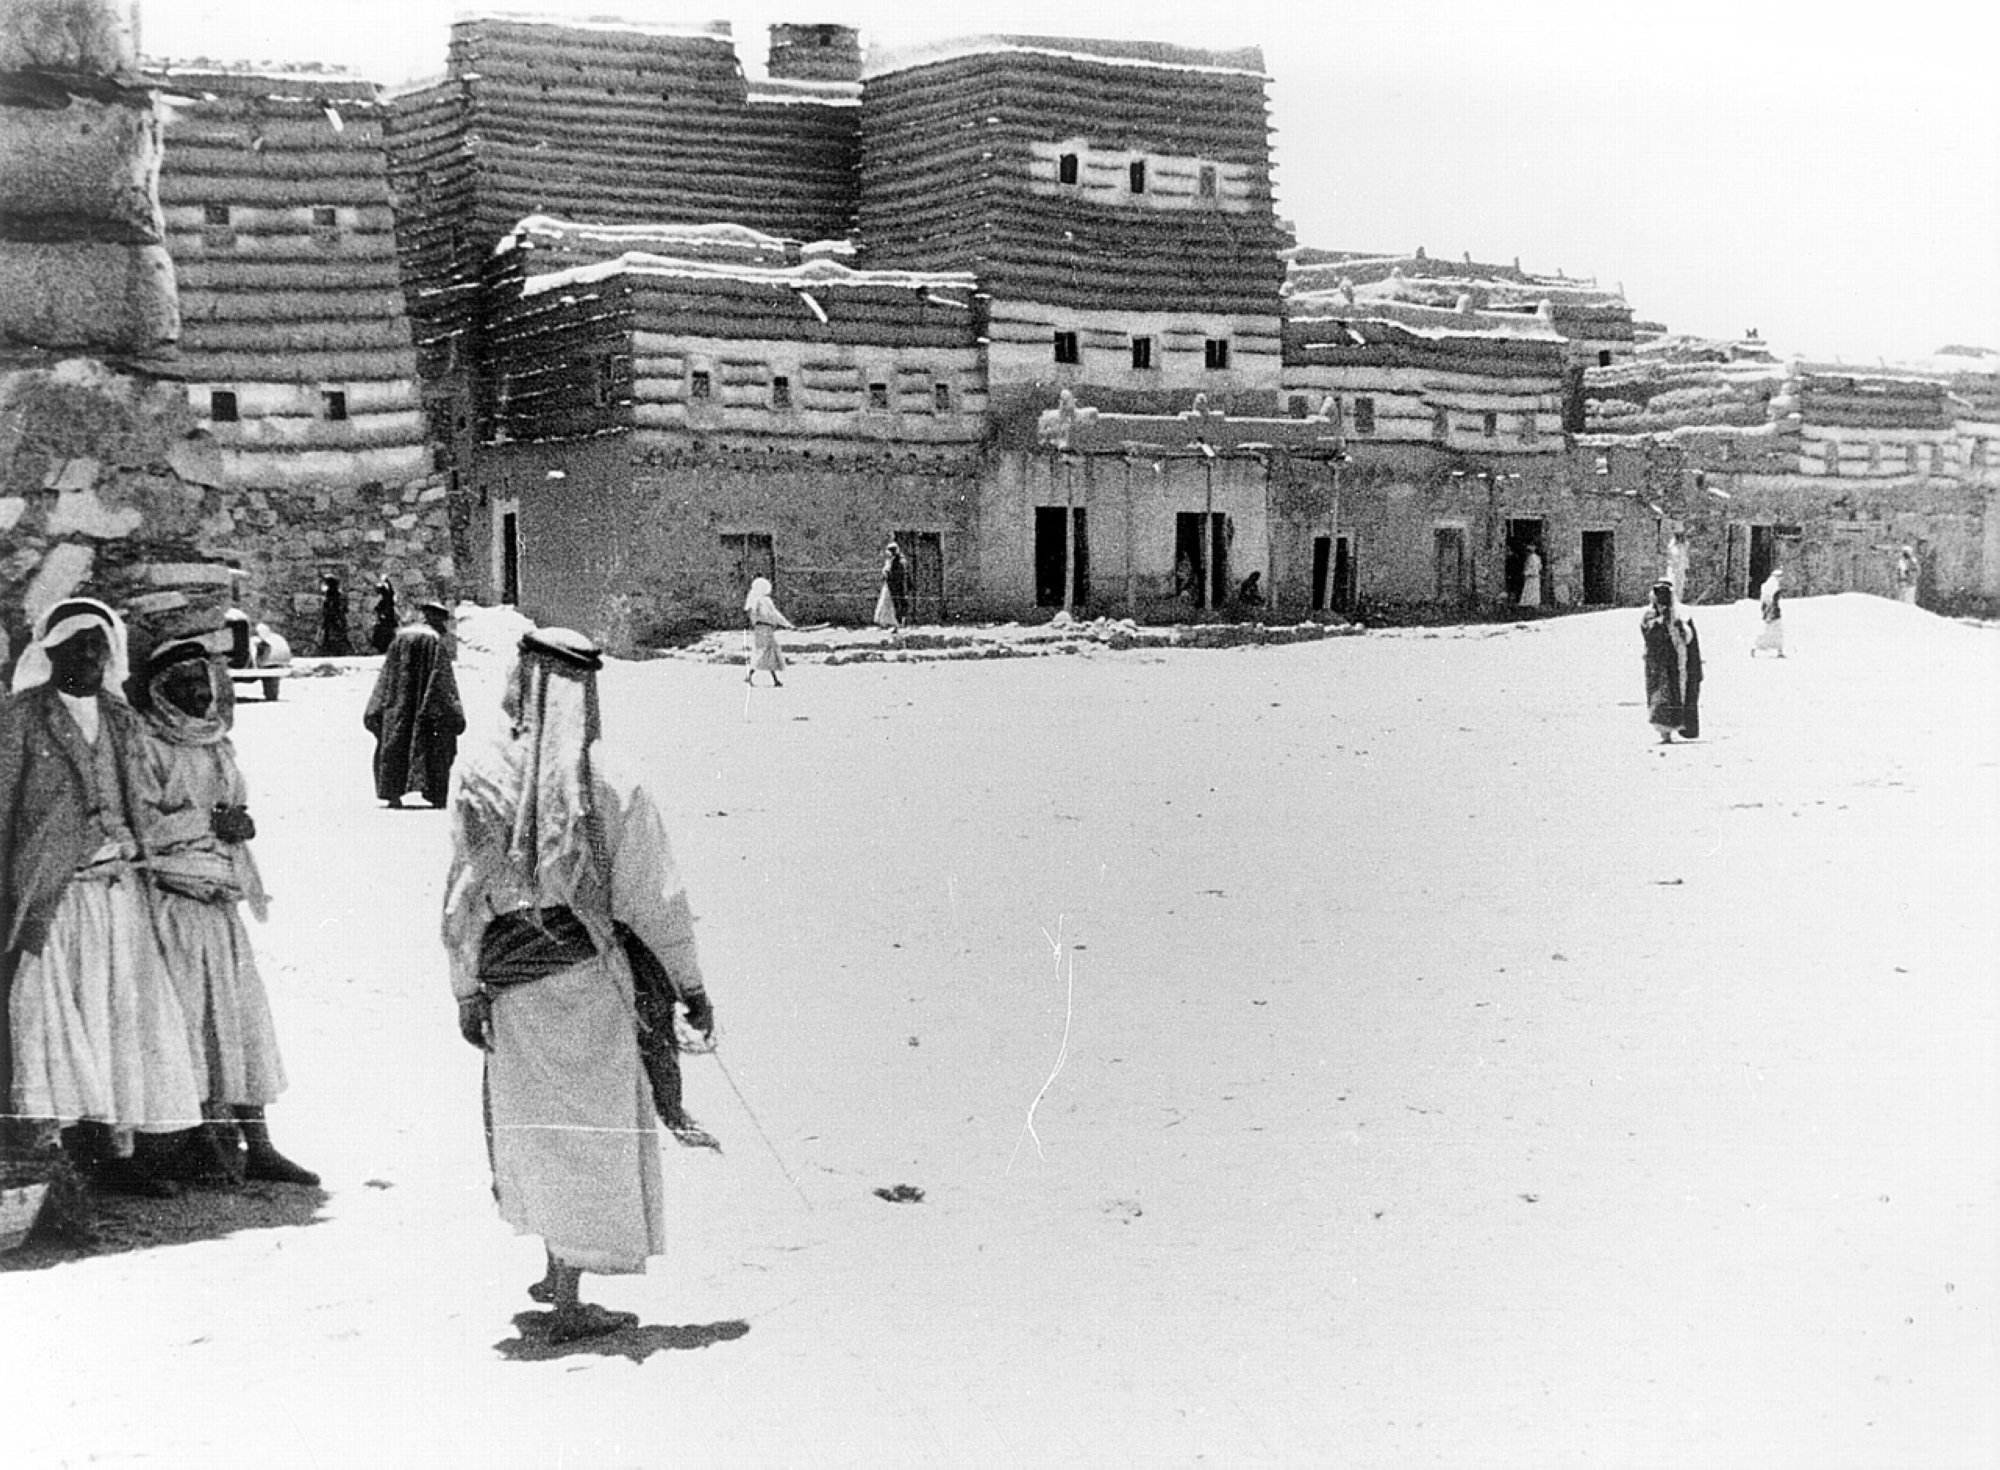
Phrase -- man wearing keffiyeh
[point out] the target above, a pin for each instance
(552, 851)
(97, 1033)
(197, 829)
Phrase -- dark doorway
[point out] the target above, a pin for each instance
(748, 556)
(1523, 536)
(1763, 556)
(1600, 568)
(1449, 556)
(1050, 552)
(510, 558)
(1343, 574)
(923, 564)
(1201, 562)
(1333, 574)
(1771, 547)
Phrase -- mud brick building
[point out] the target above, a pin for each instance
(299, 361)
(662, 427)
(600, 322)
(1827, 469)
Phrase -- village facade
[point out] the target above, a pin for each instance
(603, 325)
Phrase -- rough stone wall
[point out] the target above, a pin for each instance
(100, 487)
(288, 539)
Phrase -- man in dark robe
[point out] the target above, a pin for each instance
(333, 640)
(415, 714)
(384, 630)
(896, 577)
(1673, 666)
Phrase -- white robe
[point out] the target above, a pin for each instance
(575, 1146)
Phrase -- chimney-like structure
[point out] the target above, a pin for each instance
(815, 53)
(101, 475)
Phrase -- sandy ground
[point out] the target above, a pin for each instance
(1367, 1052)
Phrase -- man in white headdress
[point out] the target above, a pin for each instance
(552, 851)
(197, 829)
(97, 1031)
(765, 620)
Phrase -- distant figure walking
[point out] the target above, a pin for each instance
(765, 620)
(386, 620)
(415, 714)
(556, 857)
(1772, 638)
(1673, 666)
(1908, 572)
(197, 828)
(333, 639)
(1250, 591)
(891, 603)
(1531, 579)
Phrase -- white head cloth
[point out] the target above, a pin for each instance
(536, 786)
(62, 622)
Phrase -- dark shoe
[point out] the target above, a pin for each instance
(123, 1176)
(211, 1156)
(587, 1319)
(273, 1167)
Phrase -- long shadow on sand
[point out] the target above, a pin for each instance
(636, 1343)
(121, 1223)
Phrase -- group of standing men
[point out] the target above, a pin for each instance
(134, 1004)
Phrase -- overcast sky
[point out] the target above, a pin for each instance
(1829, 174)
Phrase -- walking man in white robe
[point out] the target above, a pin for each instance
(553, 851)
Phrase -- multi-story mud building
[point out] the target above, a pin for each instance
(1023, 303)
(300, 366)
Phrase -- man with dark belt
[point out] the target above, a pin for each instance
(556, 860)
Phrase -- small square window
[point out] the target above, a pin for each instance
(222, 405)
(1604, 357)
(1142, 352)
(781, 391)
(1066, 169)
(1298, 407)
(1603, 464)
(1137, 173)
(941, 397)
(1215, 354)
(1066, 348)
(1364, 415)
(1489, 424)
(878, 395)
(701, 387)
(1204, 181)
(325, 216)
(215, 214)
(334, 400)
